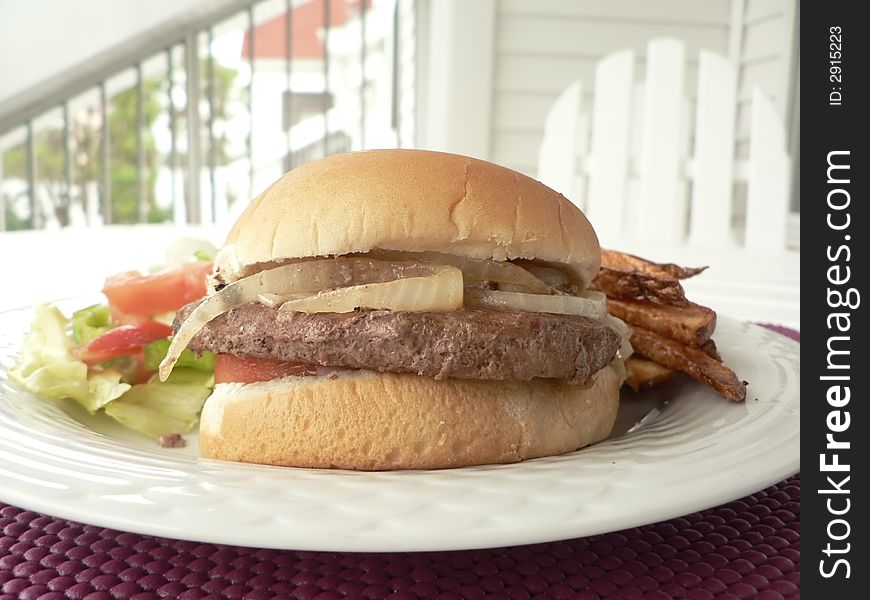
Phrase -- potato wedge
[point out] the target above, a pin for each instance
(712, 351)
(633, 278)
(693, 361)
(629, 263)
(639, 286)
(692, 324)
(643, 374)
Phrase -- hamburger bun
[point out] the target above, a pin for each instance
(410, 200)
(383, 421)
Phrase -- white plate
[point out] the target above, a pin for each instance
(679, 450)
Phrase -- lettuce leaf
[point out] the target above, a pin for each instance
(157, 409)
(156, 351)
(103, 388)
(53, 379)
(90, 323)
(47, 367)
(189, 375)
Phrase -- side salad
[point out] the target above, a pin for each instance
(105, 356)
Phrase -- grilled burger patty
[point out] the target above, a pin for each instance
(466, 343)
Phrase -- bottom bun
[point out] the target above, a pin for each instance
(372, 421)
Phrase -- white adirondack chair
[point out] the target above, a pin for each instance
(657, 176)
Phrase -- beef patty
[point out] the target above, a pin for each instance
(466, 343)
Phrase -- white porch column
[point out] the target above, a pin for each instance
(455, 69)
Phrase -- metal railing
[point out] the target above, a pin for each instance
(167, 112)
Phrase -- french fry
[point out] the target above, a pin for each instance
(633, 278)
(638, 286)
(643, 374)
(693, 361)
(619, 261)
(712, 351)
(692, 324)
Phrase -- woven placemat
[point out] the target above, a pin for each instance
(747, 549)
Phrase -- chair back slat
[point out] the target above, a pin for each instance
(662, 211)
(557, 157)
(713, 162)
(767, 191)
(608, 164)
(647, 142)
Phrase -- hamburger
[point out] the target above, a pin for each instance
(405, 309)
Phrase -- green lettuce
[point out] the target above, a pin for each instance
(156, 409)
(103, 388)
(156, 351)
(47, 367)
(90, 323)
(187, 375)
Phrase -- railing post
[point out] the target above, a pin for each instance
(105, 165)
(397, 123)
(67, 164)
(288, 99)
(170, 76)
(194, 150)
(362, 76)
(141, 203)
(212, 151)
(2, 196)
(325, 106)
(35, 216)
(251, 50)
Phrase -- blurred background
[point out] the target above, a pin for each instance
(175, 113)
(131, 112)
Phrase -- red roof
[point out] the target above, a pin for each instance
(307, 22)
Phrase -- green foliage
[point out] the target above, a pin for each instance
(85, 139)
(225, 93)
(125, 159)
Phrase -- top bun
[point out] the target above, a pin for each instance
(414, 201)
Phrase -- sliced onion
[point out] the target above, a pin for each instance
(442, 291)
(552, 276)
(306, 277)
(624, 331)
(271, 300)
(476, 271)
(592, 307)
(595, 295)
(618, 325)
(618, 365)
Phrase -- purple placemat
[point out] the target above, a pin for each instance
(749, 548)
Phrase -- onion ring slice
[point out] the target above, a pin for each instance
(307, 277)
(441, 291)
(589, 305)
(476, 271)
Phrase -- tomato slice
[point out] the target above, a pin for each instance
(134, 297)
(126, 340)
(246, 369)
